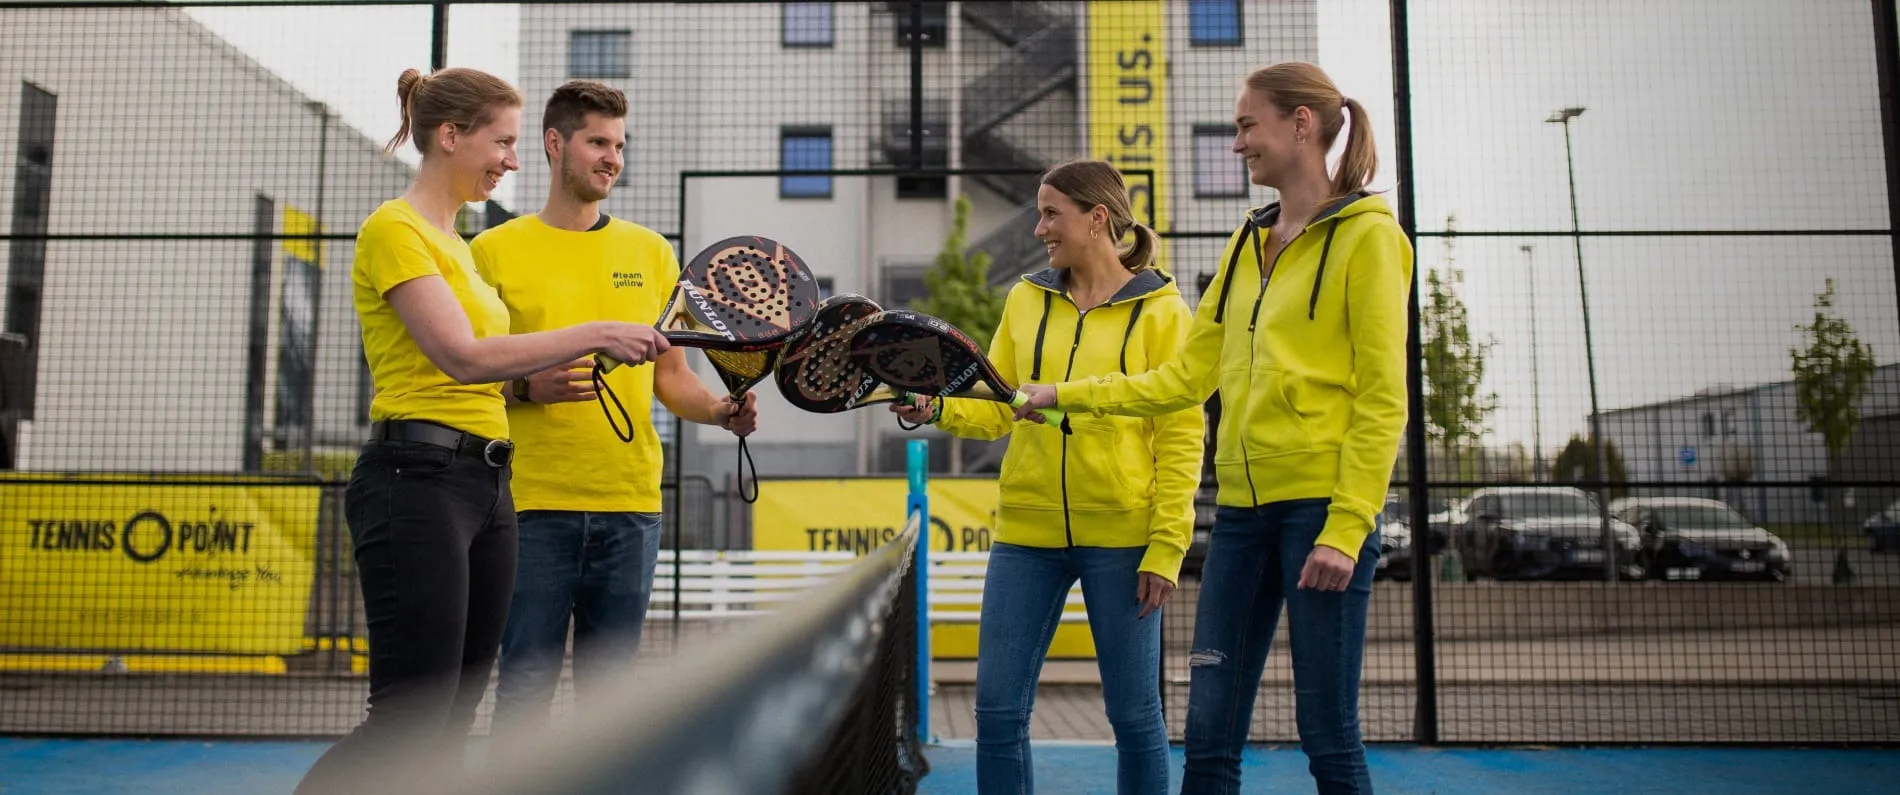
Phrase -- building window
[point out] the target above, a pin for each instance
(805, 149)
(903, 283)
(805, 24)
(1218, 172)
(599, 53)
(1708, 424)
(936, 20)
(1214, 23)
(826, 287)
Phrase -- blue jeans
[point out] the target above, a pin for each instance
(596, 568)
(1023, 594)
(1254, 557)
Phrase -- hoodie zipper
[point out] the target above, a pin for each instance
(1068, 528)
(1253, 351)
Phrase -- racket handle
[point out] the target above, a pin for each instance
(1051, 416)
(607, 363)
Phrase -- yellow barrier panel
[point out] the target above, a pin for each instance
(94, 563)
(859, 514)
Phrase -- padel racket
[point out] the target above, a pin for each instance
(920, 354)
(818, 373)
(741, 300)
(739, 295)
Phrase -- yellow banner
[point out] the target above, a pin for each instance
(1127, 100)
(109, 563)
(297, 223)
(859, 515)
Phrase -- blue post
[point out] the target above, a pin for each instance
(917, 461)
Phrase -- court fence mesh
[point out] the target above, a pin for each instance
(1651, 492)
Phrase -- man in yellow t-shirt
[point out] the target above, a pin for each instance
(588, 503)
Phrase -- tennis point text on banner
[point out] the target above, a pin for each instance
(861, 540)
(127, 564)
(860, 515)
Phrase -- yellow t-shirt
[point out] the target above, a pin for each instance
(394, 245)
(567, 458)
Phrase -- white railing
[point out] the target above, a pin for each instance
(741, 583)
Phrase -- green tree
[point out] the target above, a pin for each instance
(1578, 463)
(959, 286)
(1457, 406)
(1830, 376)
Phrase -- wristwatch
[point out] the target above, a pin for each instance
(521, 391)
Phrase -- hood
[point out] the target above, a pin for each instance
(1355, 203)
(1574, 528)
(1724, 537)
(1148, 283)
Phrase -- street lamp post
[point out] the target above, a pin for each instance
(1537, 392)
(1563, 117)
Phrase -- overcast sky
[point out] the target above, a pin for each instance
(1700, 114)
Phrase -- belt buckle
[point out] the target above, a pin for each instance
(498, 452)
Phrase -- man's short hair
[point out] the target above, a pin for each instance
(567, 109)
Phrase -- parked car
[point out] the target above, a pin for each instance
(1542, 532)
(1883, 529)
(1693, 538)
(1395, 542)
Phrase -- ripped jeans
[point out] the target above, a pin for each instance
(1254, 558)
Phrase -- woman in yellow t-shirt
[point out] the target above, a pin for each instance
(429, 509)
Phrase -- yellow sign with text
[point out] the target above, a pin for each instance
(131, 563)
(1128, 102)
(858, 515)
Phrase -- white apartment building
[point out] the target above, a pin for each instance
(720, 89)
(192, 350)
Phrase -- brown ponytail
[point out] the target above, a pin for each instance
(1141, 255)
(405, 96)
(1361, 158)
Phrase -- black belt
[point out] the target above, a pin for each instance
(493, 452)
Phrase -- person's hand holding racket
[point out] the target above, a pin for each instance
(1151, 592)
(1036, 396)
(915, 411)
(739, 417)
(569, 383)
(630, 343)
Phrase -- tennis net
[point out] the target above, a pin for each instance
(818, 697)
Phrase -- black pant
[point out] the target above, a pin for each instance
(434, 537)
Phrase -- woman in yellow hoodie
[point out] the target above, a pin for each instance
(1304, 335)
(1110, 504)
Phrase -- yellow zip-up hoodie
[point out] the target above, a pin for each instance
(1310, 364)
(1113, 481)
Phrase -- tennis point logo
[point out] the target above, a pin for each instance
(146, 537)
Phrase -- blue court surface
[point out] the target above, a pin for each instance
(175, 767)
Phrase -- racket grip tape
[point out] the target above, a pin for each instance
(1051, 416)
(607, 363)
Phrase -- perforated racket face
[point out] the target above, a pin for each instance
(919, 353)
(742, 370)
(818, 373)
(749, 290)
